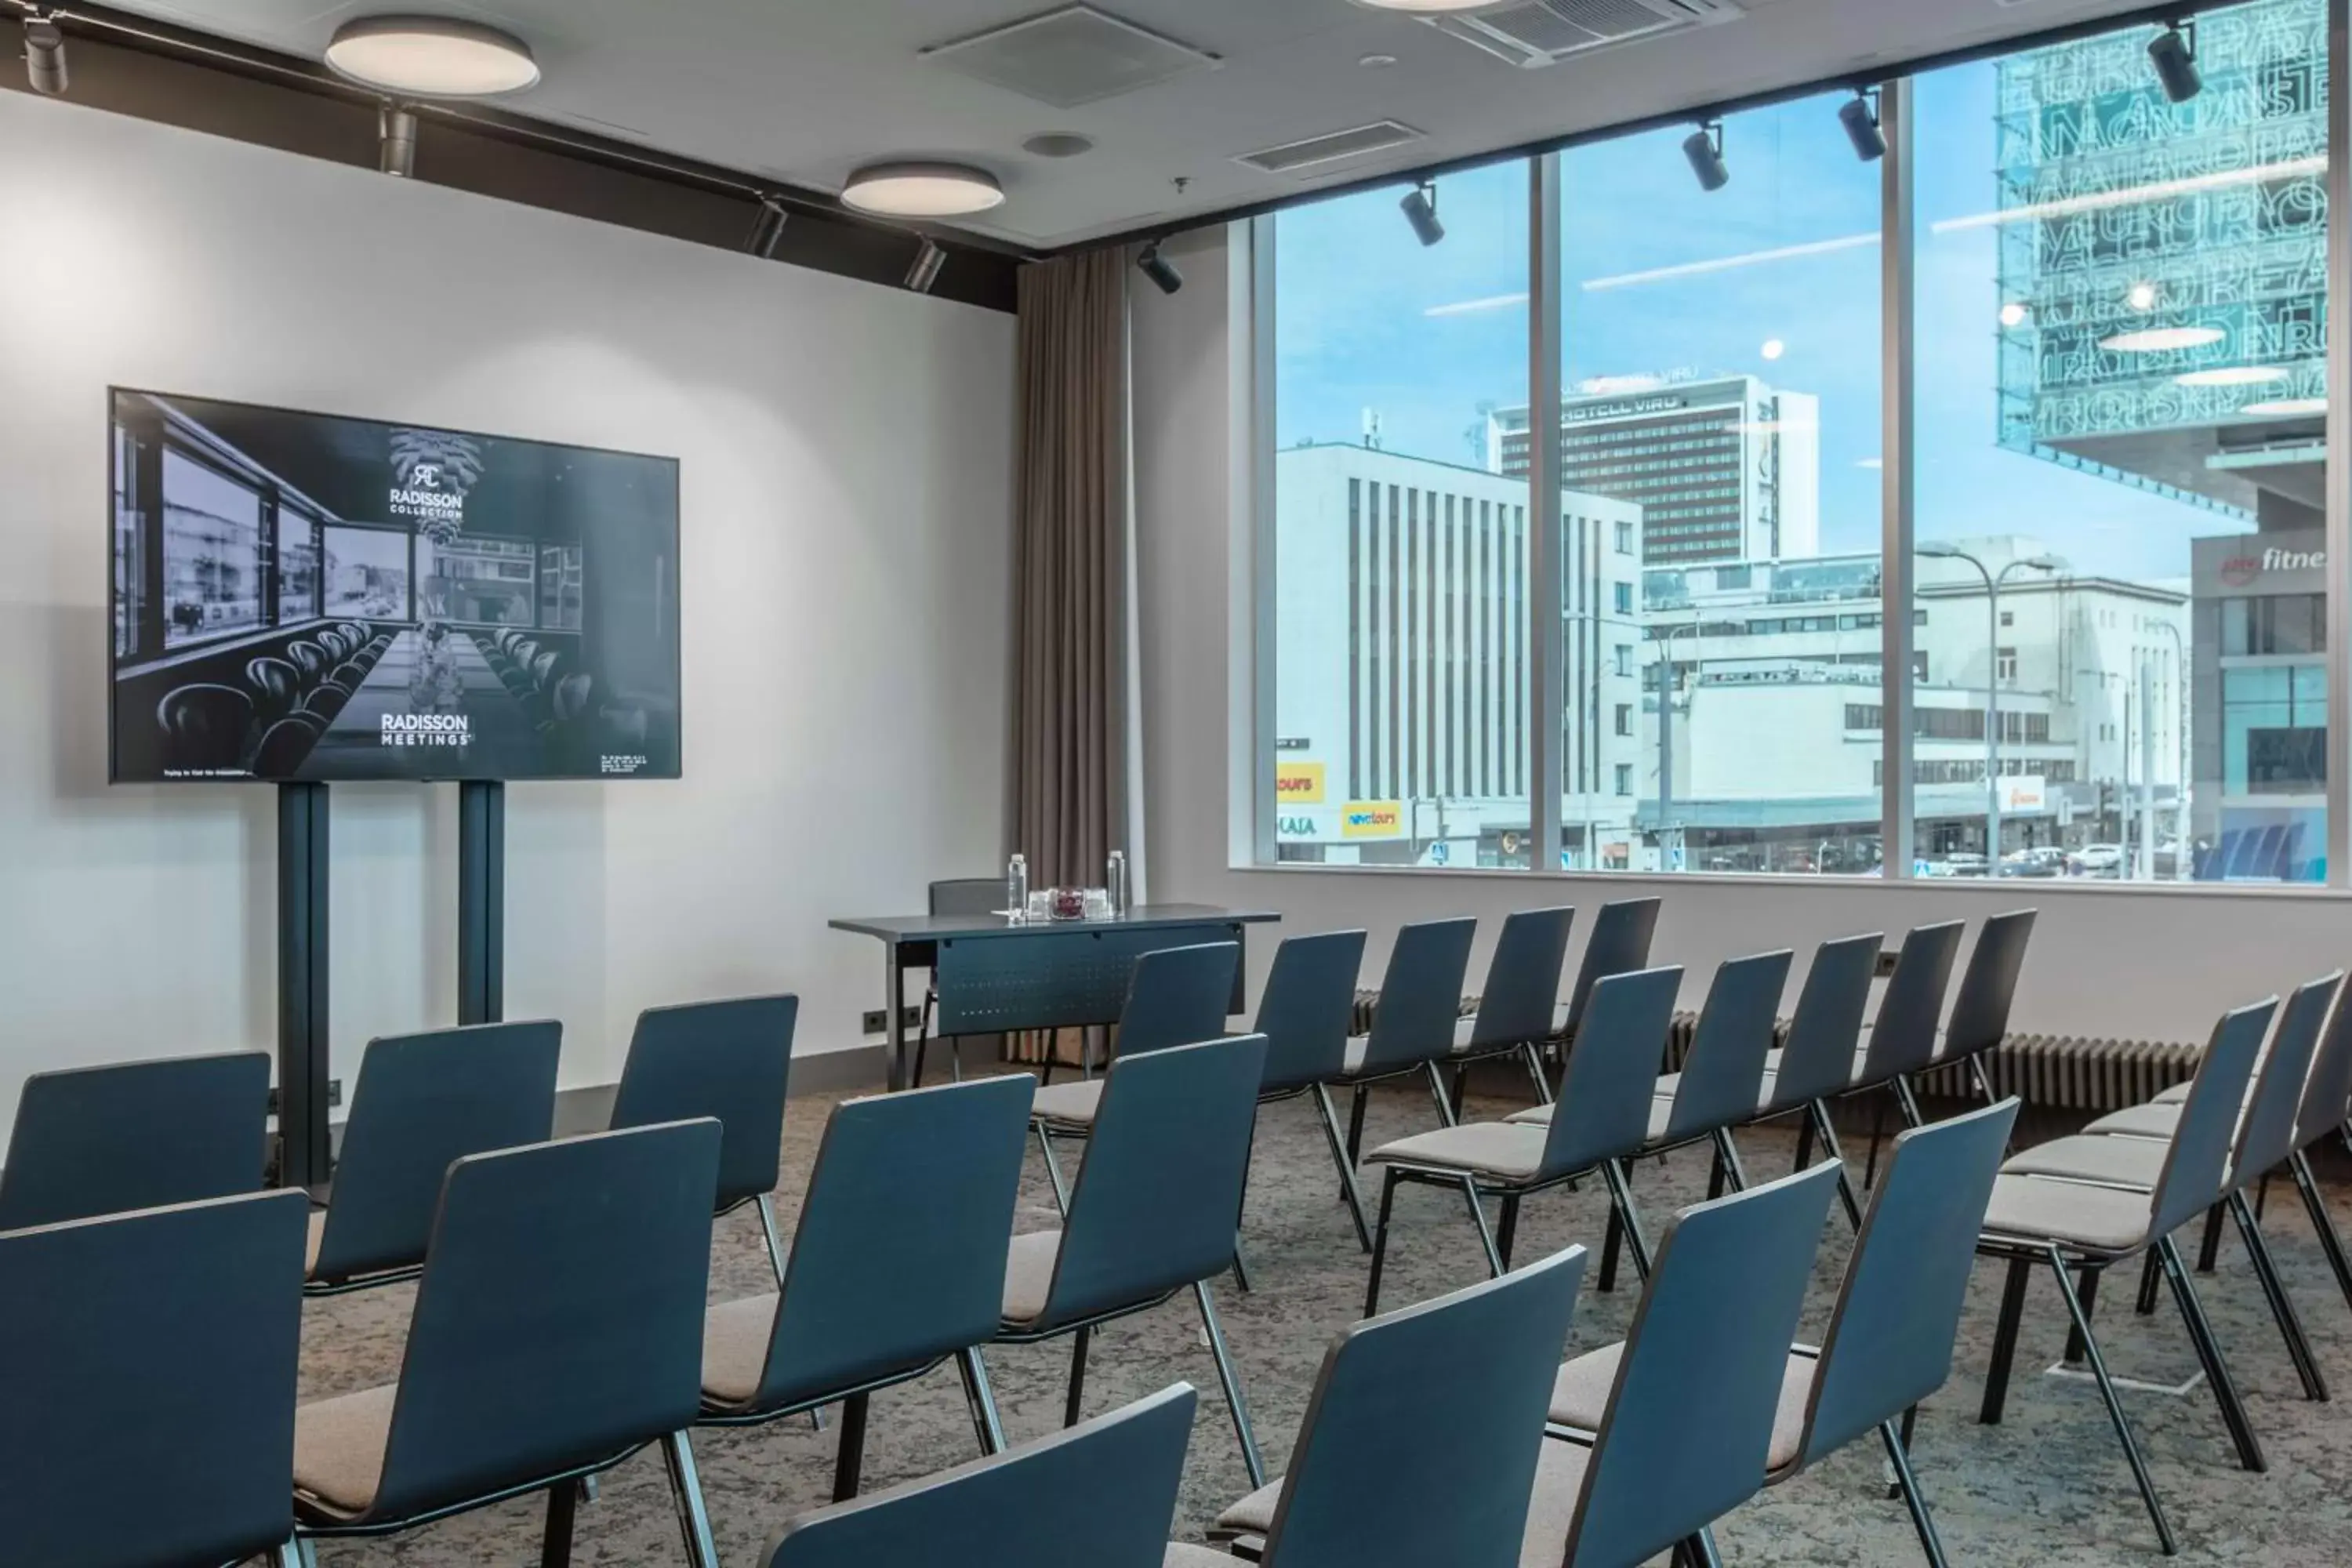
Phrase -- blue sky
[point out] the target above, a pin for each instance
(1356, 292)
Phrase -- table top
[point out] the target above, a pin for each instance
(1142, 917)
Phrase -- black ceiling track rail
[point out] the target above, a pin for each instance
(177, 75)
(2156, 15)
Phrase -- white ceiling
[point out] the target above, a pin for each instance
(803, 90)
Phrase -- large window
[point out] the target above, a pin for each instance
(2115, 662)
(1401, 691)
(1720, 408)
(2121, 397)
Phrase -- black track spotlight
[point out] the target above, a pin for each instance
(45, 56)
(1159, 268)
(1703, 148)
(1420, 209)
(928, 259)
(2173, 53)
(395, 141)
(767, 230)
(1859, 115)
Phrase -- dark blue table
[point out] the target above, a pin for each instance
(994, 976)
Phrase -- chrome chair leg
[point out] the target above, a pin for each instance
(987, 1425)
(2004, 1339)
(1822, 1128)
(288, 1556)
(2164, 1536)
(1379, 1243)
(1621, 1198)
(1437, 1092)
(1534, 1060)
(1053, 1171)
(2290, 1323)
(1485, 1234)
(2322, 1222)
(2208, 1352)
(766, 1207)
(1234, 1403)
(686, 1488)
(1728, 1152)
(1898, 1454)
(1347, 1171)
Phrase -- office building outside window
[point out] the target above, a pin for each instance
(2121, 409)
(1400, 657)
(2120, 591)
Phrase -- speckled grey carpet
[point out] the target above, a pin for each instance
(2047, 1487)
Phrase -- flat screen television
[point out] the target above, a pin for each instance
(305, 597)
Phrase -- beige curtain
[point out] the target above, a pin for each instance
(1069, 628)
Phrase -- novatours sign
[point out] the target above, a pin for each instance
(1371, 819)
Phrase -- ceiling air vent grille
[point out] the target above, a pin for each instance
(1317, 151)
(1545, 32)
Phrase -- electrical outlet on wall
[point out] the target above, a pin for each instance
(875, 1020)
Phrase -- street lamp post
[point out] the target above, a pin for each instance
(1936, 550)
(1666, 730)
(2147, 764)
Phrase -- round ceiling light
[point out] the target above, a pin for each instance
(922, 190)
(2161, 340)
(431, 56)
(2233, 376)
(2287, 407)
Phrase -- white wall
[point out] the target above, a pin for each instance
(847, 486)
(2106, 960)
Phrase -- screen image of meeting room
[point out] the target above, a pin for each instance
(302, 596)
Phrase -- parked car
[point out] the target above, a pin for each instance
(2098, 860)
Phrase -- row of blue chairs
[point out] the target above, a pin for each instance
(560, 1327)
(1450, 1432)
(2272, 1081)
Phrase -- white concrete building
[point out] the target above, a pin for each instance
(1724, 467)
(1402, 698)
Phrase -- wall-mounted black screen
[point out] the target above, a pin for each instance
(307, 596)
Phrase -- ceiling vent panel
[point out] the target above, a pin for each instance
(1070, 55)
(1317, 151)
(1545, 32)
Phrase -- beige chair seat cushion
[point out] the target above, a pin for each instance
(339, 1450)
(2175, 1095)
(1661, 1112)
(1480, 1148)
(735, 1348)
(2141, 1121)
(1580, 1394)
(1559, 1479)
(1029, 1275)
(1254, 1515)
(1183, 1555)
(1072, 1104)
(310, 1250)
(2134, 1163)
(2105, 1219)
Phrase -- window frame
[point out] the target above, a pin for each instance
(1252, 336)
